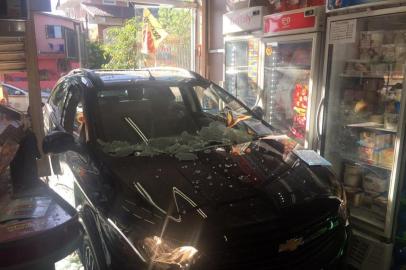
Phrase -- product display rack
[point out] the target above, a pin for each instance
(363, 130)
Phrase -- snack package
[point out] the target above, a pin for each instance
(375, 140)
(386, 157)
(374, 183)
(368, 154)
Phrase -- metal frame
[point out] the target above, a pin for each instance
(169, 3)
(315, 67)
(362, 6)
(400, 158)
(400, 140)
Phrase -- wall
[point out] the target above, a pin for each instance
(41, 21)
(47, 57)
(216, 42)
(40, 5)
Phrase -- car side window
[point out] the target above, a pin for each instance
(73, 119)
(58, 97)
(12, 92)
(209, 102)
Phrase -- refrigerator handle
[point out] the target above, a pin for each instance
(319, 109)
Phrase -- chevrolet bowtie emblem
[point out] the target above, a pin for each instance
(290, 245)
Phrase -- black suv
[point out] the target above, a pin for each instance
(172, 172)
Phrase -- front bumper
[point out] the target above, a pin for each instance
(325, 252)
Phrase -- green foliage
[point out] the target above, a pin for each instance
(176, 21)
(96, 56)
(122, 45)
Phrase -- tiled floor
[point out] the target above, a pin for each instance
(63, 185)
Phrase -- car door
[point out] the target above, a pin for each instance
(17, 99)
(84, 170)
(53, 109)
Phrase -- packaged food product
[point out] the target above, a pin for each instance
(373, 183)
(356, 66)
(353, 196)
(352, 175)
(368, 154)
(379, 69)
(379, 205)
(389, 37)
(386, 156)
(399, 67)
(364, 54)
(373, 84)
(365, 39)
(399, 37)
(360, 106)
(375, 140)
(376, 118)
(375, 53)
(388, 52)
(376, 38)
(391, 121)
(400, 53)
(367, 198)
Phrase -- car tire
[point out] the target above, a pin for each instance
(90, 251)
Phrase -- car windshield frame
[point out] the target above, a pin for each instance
(191, 84)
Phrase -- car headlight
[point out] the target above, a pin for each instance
(164, 254)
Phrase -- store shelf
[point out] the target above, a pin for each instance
(367, 216)
(237, 70)
(364, 163)
(372, 126)
(289, 68)
(371, 76)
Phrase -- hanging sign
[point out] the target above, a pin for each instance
(302, 21)
(243, 20)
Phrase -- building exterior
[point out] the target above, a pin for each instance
(58, 47)
(97, 15)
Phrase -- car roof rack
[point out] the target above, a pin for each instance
(89, 73)
(81, 70)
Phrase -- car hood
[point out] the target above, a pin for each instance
(236, 185)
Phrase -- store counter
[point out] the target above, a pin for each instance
(37, 227)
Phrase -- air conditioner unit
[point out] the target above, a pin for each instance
(367, 253)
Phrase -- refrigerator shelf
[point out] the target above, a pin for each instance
(298, 68)
(367, 216)
(369, 126)
(366, 164)
(371, 76)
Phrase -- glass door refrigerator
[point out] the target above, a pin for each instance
(242, 31)
(364, 124)
(292, 62)
(241, 68)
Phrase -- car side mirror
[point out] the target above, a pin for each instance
(258, 112)
(58, 142)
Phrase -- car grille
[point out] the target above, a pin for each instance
(252, 250)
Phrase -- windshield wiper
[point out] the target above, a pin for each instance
(136, 129)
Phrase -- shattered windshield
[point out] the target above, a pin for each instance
(157, 118)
